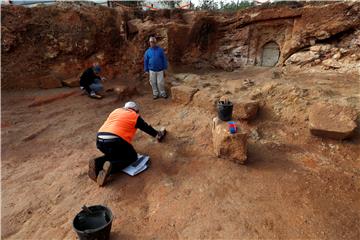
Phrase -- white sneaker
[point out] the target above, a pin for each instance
(94, 95)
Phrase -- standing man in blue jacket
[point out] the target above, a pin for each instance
(155, 63)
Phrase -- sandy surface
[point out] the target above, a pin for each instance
(295, 186)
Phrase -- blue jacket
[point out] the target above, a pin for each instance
(155, 59)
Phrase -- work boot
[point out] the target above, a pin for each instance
(104, 174)
(92, 169)
(94, 95)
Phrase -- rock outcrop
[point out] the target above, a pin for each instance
(332, 121)
(59, 41)
(183, 94)
(229, 146)
(71, 82)
(245, 109)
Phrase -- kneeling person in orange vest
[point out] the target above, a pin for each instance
(114, 140)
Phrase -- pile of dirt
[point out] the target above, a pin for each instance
(41, 46)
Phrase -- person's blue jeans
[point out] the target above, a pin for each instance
(96, 86)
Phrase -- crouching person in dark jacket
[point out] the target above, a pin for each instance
(90, 81)
(114, 140)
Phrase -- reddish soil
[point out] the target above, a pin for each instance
(294, 186)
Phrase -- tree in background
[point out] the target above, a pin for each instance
(170, 4)
(209, 5)
(213, 5)
(134, 4)
(234, 6)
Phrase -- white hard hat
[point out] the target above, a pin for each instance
(132, 105)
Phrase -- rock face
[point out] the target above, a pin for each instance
(66, 34)
(291, 29)
(332, 63)
(245, 109)
(68, 38)
(183, 94)
(332, 121)
(71, 82)
(229, 146)
(48, 82)
(320, 48)
(302, 58)
(133, 25)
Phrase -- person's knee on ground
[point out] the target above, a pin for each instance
(115, 142)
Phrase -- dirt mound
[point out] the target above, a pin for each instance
(56, 42)
(41, 46)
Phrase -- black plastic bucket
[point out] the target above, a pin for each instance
(225, 110)
(94, 224)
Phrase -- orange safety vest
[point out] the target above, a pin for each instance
(121, 122)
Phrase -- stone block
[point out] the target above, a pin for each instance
(71, 82)
(133, 25)
(183, 94)
(332, 63)
(245, 109)
(229, 146)
(332, 121)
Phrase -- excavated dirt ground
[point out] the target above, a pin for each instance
(295, 186)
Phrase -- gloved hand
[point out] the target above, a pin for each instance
(161, 134)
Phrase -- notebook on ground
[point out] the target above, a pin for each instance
(138, 166)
